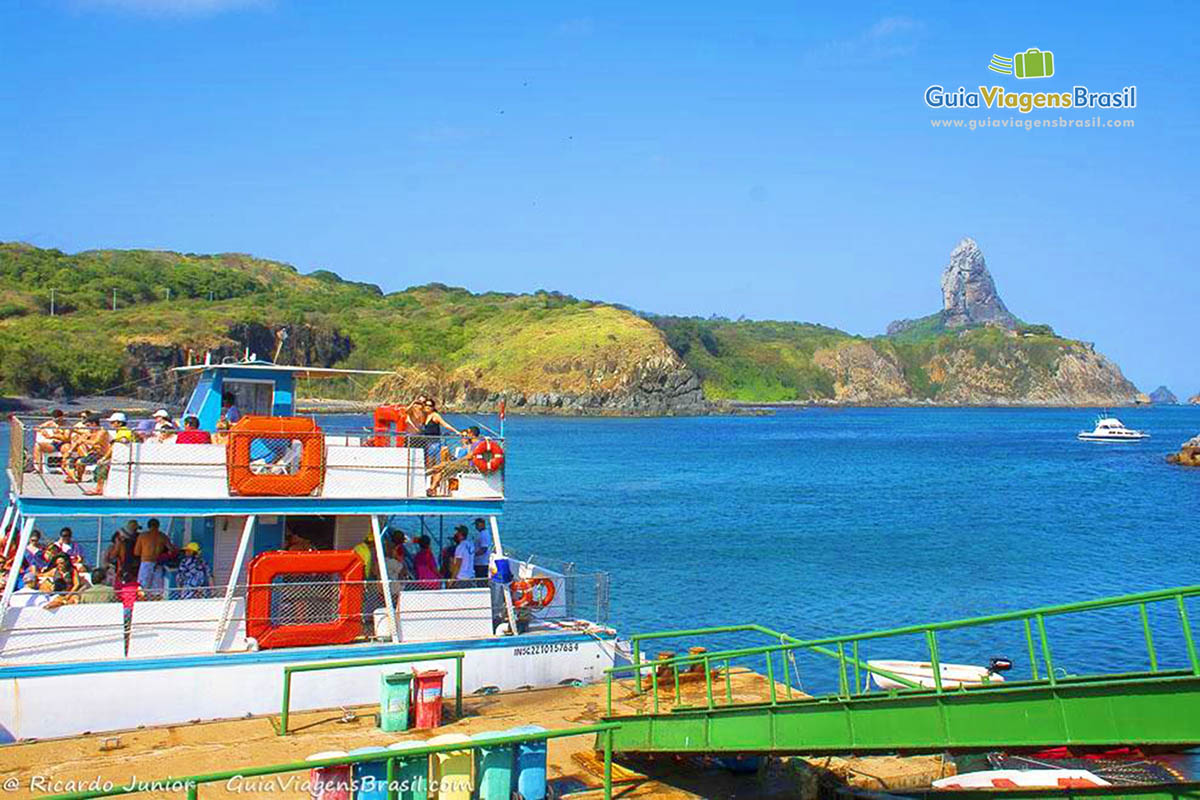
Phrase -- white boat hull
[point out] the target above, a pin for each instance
(71, 699)
(921, 673)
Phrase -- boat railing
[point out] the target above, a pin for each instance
(1000, 641)
(292, 611)
(349, 462)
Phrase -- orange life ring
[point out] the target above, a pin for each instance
(389, 426)
(533, 593)
(246, 476)
(488, 456)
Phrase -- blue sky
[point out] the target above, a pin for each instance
(768, 159)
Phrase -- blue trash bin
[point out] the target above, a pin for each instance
(531, 763)
(370, 777)
(493, 766)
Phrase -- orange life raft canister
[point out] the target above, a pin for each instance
(272, 466)
(304, 598)
(389, 426)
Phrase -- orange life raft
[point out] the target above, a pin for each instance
(390, 422)
(276, 471)
(304, 598)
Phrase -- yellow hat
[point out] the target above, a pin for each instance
(192, 547)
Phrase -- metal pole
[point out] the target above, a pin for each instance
(608, 747)
(287, 702)
(384, 583)
(497, 549)
(238, 561)
(10, 585)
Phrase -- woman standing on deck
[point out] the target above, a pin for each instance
(431, 431)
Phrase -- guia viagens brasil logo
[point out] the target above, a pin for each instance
(1032, 63)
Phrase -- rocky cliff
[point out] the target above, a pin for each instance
(969, 295)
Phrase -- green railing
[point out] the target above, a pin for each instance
(191, 784)
(846, 648)
(282, 728)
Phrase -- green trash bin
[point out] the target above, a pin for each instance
(493, 766)
(394, 691)
(411, 777)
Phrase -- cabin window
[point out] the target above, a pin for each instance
(253, 397)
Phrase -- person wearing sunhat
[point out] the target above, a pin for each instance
(193, 577)
(121, 431)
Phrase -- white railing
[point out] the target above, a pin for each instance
(352, 463)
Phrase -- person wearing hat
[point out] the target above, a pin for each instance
(193, 576)
(120, 428)
(365, 550)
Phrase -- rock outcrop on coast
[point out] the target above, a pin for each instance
(1164, 397)
(1188, 455)
(541, 353)
(1194, 400)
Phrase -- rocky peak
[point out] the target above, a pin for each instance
(969, 294)
(1163, 396)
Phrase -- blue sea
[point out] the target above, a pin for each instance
(832, 521)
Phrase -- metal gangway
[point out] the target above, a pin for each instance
(1046, 706)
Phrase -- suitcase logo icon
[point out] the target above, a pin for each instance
(1033, 63)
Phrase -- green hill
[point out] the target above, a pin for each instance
(545, 350)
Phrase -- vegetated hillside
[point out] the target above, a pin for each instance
(543, 351)
(764, 362)
(546, 349)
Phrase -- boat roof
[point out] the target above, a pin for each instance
(267, 366)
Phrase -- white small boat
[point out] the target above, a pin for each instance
(1111, 429)
(921, 673)
(1022, 778)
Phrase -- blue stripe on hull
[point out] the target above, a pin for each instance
(291, 655)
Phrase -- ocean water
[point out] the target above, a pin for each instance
(832, 521)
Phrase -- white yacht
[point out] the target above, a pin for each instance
(1111, 429)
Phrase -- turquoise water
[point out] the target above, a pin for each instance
(823, 521)
(827, 521)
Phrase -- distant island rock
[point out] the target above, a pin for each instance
(1194, 400)
(969, 295)
(1164, 397)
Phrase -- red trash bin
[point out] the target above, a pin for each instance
(427, 698)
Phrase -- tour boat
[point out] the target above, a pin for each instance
(278, 478)
(1111, 429)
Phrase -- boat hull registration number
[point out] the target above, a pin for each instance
(545, 649)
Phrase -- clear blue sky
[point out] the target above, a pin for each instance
(769, 159)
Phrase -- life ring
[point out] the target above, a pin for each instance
(533, 593)
(488, 456)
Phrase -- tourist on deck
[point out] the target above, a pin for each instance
(365, 550)
(34, 555)
(229, 410)
(164, 427)
(61, 574)
(191, 433)
(117, 553)
(66, 544)
(454, 461)
(295, 543)
(88, 448)
(193, 575)
(121, 431)
(151, 545)
(222, 434)
(414, 415)
(425, 565)
(99, 591)
(49, 437)
(483, 547)
(462, 566)
(431, 432)
(399, 539)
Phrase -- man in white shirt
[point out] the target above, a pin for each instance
(462, 567)
(483, 547)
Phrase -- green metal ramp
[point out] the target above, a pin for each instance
(1152, 708)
